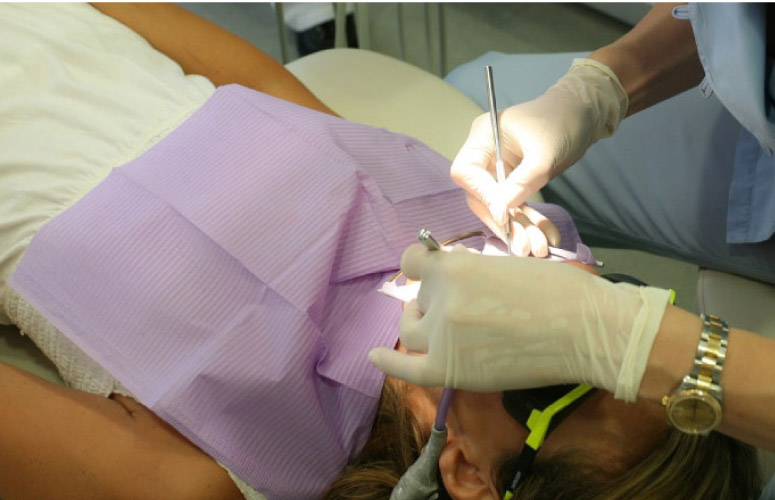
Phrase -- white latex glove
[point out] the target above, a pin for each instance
(487, 323)
(539, 139)
(531, 232)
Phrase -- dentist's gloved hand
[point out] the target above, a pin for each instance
(540, 139)
(487, 323)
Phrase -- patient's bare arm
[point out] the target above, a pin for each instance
(201, 47)
(62, 443)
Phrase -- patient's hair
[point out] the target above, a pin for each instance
(395, 443)
(680, 467)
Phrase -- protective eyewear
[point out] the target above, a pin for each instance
(540, 411)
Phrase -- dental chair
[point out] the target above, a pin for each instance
(377, 90)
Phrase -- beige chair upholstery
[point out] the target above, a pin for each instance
(381, 91)
(741, 302)
(18, 350)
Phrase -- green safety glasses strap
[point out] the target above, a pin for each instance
(539, 424)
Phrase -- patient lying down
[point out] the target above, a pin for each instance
(234, 356)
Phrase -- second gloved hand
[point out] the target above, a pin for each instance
(487, 324)
(540, 138)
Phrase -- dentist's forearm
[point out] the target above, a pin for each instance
(747, 380)
(655, 60)
(203, 48)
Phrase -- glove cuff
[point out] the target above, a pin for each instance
(622, 98)
(644, 331)
(598, 88)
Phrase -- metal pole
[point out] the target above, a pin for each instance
(340, 22)
(401, 34)
(362, 26)
(278, 10)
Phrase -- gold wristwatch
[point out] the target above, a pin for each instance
(695, 406)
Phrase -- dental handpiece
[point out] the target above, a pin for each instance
(420, 481)
(500, 170)
(426, 238)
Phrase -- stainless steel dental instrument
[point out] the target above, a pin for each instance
(427, 239)
(500, 170)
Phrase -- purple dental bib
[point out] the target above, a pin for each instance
(228, 278)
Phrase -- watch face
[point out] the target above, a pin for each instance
(694, 412)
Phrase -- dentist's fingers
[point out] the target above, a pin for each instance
(459, 247)
(531, 238)
(481, 211)
(520, 239)
(413, 259)
(539, 246)
(473, 168)
(415, 256)
(520, 244)
(547, 227)
(527, 178)
(412, 337)
(411, 368)
(527, 237)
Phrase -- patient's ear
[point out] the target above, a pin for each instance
(464, 477)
